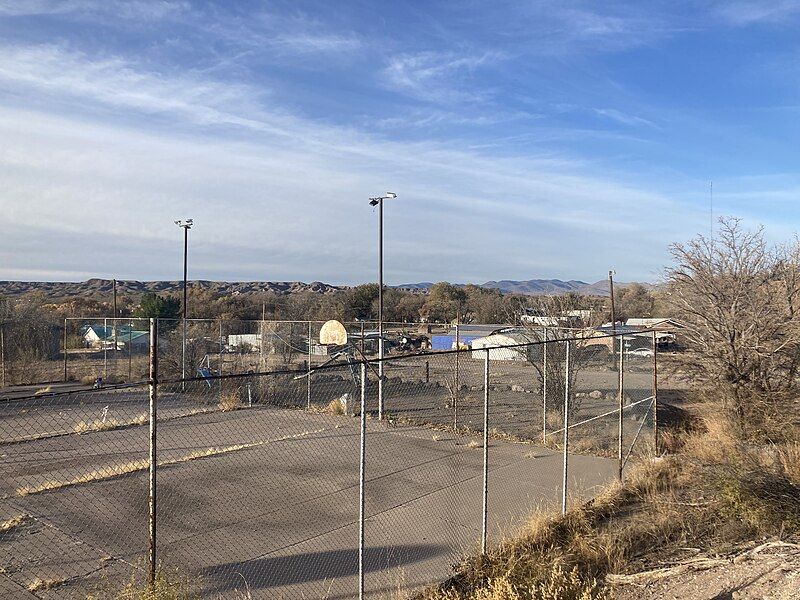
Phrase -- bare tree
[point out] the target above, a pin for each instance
(552, 319)
(739, 299)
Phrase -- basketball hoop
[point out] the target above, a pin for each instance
(333, 333)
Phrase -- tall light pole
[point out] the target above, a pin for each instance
(379, 203)
(186, 226)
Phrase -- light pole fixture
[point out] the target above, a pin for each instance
(186, 226)
(378, 201)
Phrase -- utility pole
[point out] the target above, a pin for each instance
(613, 316)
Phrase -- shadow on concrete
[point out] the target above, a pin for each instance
(273, 571)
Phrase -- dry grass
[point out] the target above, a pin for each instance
(169, 585)
(474, 444)
(715, 495)
(335, 407)
(229, 401)
(109, 424)
(13, 523)
(126, 468)
(38, 585)
(44, 390)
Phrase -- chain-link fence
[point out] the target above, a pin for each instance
(107, 350)
(275, 483)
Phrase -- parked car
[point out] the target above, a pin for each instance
(640, 353)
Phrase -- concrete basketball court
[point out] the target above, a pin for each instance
(272, 506)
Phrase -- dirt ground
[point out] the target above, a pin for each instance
(770, 570)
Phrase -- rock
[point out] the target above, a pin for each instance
(517, 388)
(595, 394)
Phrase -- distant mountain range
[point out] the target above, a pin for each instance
(537, 287)
(102, 288)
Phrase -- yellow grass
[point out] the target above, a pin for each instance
(229, 401)
(119, 469)
(13, 523)
(38, 585)
(43, 390)
(108, 424)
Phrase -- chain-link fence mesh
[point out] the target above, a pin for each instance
(258, 459)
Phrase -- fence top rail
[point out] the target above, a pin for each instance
(401, 357)
(79, 391)
(98, 318)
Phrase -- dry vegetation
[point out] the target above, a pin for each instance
(13, 523)
(38, 585)
(710, 498)
(109, 424)
(229, 401)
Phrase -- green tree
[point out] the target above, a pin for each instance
(153, 306)
(445, 303)
(634, 300)
(359, 300)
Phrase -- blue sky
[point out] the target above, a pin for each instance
(524, 139)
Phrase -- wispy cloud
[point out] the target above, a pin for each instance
(121, 9)
(438, 76)
(58, 72)
(781, 12)
(257, 200)
(623, 117)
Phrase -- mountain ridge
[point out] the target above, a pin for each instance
(102, 288)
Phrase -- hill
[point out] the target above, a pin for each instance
(102, 288)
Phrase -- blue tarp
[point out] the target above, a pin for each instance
(448, 342)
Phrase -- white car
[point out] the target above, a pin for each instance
(640, 352)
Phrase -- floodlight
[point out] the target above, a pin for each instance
(374, 201)
(391, 195)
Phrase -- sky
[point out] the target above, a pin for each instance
(523, 139)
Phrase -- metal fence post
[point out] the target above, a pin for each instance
(457, 381)
(183, 347)
(220, 357)
(621, 401)
(544, 389)
(105, 349)
(2, 356)
(308, 400)
(485, 516)
(565, 481)
(361, 480)
(153, 464)
(130, 351)
(66, 374)
(655, 394)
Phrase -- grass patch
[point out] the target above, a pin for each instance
(108, 424)
(38, 585)
(169, 585)
(13, 523)
(126, 468)
(229, 401)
